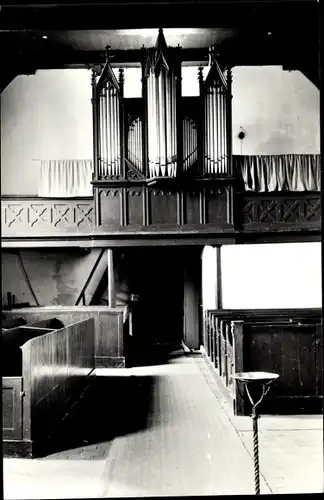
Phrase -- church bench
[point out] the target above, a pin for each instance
(46, 372)
(7, 323)
(293, 350)
(215, 325)
(111, 327)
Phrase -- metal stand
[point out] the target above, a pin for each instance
(248, 379)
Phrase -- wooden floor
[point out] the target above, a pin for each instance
(173, 434)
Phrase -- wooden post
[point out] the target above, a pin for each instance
(201, 126)
(318, 346)
(238, 345)
(111, 279)
(219, 301)
(230, 202)
(122, 123)
(95, 146)
(179, 114)
(145, 117)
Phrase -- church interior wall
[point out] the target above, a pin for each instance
(43, 116)
(276, 275)
(56, 276)
(48, 116)
(277, 110)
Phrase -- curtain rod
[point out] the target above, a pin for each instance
(62, 159)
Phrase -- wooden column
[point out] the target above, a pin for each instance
(122, 122)
(230, 203)
(201, 126)
(219, 300)
(145, 118)
(94, 102)
(111, 279)
(179, 114)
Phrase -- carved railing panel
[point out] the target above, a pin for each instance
(128, 209)
(280, 208)
(37, 216)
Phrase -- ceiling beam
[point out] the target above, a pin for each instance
(154, 14)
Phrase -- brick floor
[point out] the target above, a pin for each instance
(191, 445)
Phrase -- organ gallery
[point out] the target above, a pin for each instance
(183, 218)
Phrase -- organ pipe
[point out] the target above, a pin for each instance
(161, 86)
(161, 124)
(134, 144)
(189, 143)
(109, 145)
(216, 102)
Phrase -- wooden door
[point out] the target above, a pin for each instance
(12, 408)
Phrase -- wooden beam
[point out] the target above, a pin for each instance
(111, 278)
(114, 15)
(219, 294)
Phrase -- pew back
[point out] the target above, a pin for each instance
(111, 326)
(292, 350)
(57, 366)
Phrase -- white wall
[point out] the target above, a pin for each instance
(44, 116)
(48, 116)
(209, 278)
(56, 276)
(277, 110)
(279, 275)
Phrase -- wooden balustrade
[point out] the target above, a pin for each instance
(126, 208)
(28, 217)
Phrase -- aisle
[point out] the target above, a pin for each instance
(189, 446)
(165, 430)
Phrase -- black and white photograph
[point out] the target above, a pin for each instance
(161, 249)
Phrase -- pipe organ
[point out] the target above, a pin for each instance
(162, 123)
(134, 144)
(190, 143)
(164, 139)
(108, 120)
(216, 93)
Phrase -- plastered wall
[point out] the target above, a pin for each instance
(271, 275)
(43, 116)
(48, 116)
(56, 277)
(277, 110)
(209, 278)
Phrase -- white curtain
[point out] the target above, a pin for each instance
(65, 178)
(290, 172)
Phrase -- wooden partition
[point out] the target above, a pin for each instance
(226, 350)
(294, 351)
(56, 369)
(111, 326)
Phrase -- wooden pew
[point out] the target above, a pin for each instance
(7, 323)
(221, 332)
(56, 367)
(111, 327)
(294, 351)
(213, 321)
(219, 337)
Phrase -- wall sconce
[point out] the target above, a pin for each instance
(241, 134)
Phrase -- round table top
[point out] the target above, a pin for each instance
(256, 377)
